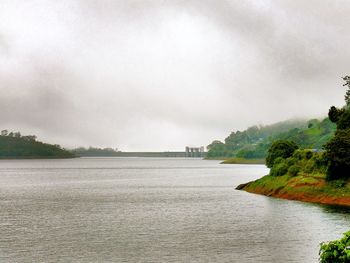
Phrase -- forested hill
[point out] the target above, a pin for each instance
(95, 152)
(254, 142)
(15, 146)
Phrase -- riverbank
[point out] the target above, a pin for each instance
(304, 187)
(36, 157)
(243, 161)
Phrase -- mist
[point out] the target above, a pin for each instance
(160, 75)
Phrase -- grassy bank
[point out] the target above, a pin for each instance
(303, 187)
(243, 161)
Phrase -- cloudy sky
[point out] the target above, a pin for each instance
(159, 75)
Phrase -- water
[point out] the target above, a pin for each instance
(152, 210)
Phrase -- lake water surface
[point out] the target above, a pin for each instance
(152, 210)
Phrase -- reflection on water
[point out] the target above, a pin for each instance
(152, 210)
(336, 209)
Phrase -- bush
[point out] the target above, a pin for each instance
(293, 170)
(337, 183)
(298, 154)
(308, 154)
(280, 148)
(337, 251)
(320, 160)
(278, 160)
(291, 160)
(279, 169)
(309, 166)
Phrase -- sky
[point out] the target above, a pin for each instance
(159, 75)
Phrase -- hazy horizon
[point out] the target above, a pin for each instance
(160, 75)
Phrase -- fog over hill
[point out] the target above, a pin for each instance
(159, 75)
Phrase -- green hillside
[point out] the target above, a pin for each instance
(254, 142)
(95, 152)
(15, 146)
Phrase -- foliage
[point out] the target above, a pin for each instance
(347, 94)
(337, 251)
(216, 149)
(338, 148)
(280, 148)
(243, 161)
(334, 114)
(254, 142)
(338, 155)
(279, 169)
(13, 145)
(91, 151)
(293, 170)
(301, 162)
(344, 120)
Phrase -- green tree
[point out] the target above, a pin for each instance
(338, 155)
(280, 148)
(337, 251)
(347, 94)
(338, 148)
(216, 149)
(334, 114)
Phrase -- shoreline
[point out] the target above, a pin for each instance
(305, 188)
(243, 161)
(37, 157)
(236, 160)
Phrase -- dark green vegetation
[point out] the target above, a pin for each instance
(334, 162)
(91, 151)
(337, 251)
(13, 145)
(338, 148)
(243, 161)
(303, 162)
(280, 149)
(109, 152)
(301, 176)
(254, 142)
(321, 177)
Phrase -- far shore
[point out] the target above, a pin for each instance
(36, 157)
(243, 161)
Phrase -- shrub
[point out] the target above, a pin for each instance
(337, 251)
(309, 166)
(298, 154)
(338, 183)
(278, 160)
(279, 169)
(290, 161)
(320, 160)
(308, 154)
(280, 148)
(293, 170)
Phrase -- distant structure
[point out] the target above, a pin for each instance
(195, 151)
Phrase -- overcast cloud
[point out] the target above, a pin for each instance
(160, 75)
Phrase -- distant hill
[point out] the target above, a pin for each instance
(254, 142)
(110, 152)
(15, 146)
(95, 152)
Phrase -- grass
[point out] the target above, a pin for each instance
(303, 187)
